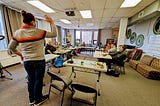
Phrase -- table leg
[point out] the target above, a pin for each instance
(98, 84)
(99, 75)
(72, 73)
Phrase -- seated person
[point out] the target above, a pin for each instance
(107, 47)
(50, 48)
(118, 57)
(113, 49)
(56, 44)
(83, 44)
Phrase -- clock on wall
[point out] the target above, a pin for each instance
(128, 33)
(133, 37)
(140, 41)
(156, 27)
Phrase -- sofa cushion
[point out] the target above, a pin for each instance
(156, 64)
(148, 71)
(147, 59)
(134, 63)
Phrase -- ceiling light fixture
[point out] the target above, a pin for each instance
(130, 3)
(41, 6)
(65, 21)
(86, 14)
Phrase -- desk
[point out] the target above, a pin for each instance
(99, 54)
(62, 51)
(50, 57)
(90, 66)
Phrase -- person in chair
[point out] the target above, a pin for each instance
(49, 49)
(118, 57)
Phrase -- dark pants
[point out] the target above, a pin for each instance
(35, 71)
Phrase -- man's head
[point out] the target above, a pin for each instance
(121, 48)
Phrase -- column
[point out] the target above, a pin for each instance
(122, 31)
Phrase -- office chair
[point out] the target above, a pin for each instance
(1, 72)
(59, 63)
(84, 94)
(59, 82)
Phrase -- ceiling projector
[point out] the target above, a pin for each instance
(70, 13)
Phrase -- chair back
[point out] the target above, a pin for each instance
(59, 82)
(83, 93)
(54, 76)
(83, 88)
(59, 62)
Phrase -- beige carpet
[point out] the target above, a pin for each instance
(130, 89)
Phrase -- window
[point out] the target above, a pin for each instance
(63, 35)
(87, 37)
(95, 37)
(78, 37)
(90, 37)
(3, 43)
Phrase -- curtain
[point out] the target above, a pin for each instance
(12, 21)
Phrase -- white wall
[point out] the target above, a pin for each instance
(151, 44)
(105, 34)
(45, 26)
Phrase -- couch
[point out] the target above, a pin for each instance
(148, 66)
(146, 59)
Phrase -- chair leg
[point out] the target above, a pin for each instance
(59, 70)
(123, 70)
(71, 102)
(49, 88)
(62, 98)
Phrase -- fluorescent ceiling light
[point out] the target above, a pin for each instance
(86, 14)
(130, 3)
(65, 21)
(41, 6)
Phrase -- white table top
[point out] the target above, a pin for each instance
(88, 64)
(71, 48)
(49, 57)
(62, 51)
(99, 54)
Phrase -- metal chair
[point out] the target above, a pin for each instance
(59, 82)
(84, 94)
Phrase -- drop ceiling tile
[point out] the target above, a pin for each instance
(115, 20)
(123, 12)
(97, 13)
(96, 4)
(82, 4)
(114, 4)
(109, 13)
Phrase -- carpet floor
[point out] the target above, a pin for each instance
(130, 89)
